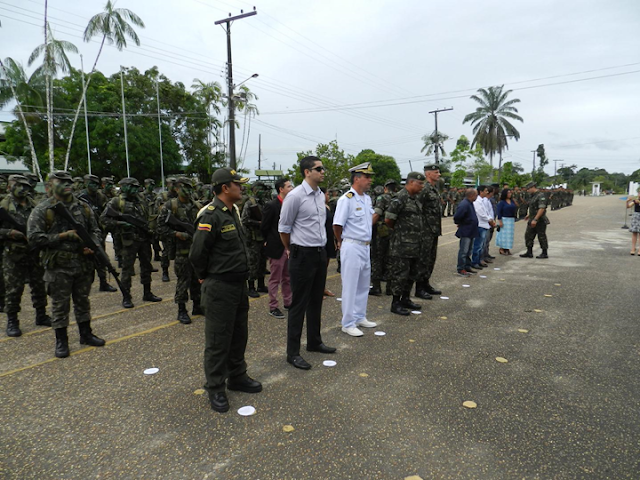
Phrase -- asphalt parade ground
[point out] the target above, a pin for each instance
(565, 404)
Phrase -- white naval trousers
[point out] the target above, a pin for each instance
(355, 269)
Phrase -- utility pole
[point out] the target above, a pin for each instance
(260, 152)
(534, 163)
(124, 119)
(86, 122)
(555, 168)
(435, 112)
(160, 135)
(232, 114)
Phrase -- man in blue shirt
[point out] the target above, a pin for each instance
(467, 221)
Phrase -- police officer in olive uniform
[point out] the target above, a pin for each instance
(20, 263)
(68, 266)
(136, 241)
(380, 243)
(405, 219)
(251, 220)
(168, 244)
(537, 222)
(184, 209)
(219, 258)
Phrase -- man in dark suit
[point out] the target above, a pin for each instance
(274, 250)
(467, 221)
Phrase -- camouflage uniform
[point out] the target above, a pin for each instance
(432, 229)
(444, 199)
(451, 202)
(380, 243)
(150, 197)
(251, 218)
(3, 193)
(168, 244)
(538, 201)
(20, 264)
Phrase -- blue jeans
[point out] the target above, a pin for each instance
(478, 246)
(464, 253)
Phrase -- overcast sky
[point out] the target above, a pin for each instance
(574, 64)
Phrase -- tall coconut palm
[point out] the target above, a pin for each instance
(433, 144)
(112, 25)
(250, 110)
(15, 86)
(209, 93)
(55, 58)
(491, 125)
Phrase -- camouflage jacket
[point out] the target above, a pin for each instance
(185, 212)
(407, 232)
(252, 218)
(431, 209)
(538, 201)
(134, 206)
(16, 248)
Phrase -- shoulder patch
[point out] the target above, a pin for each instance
(228, 228)
(348, 194)
(204, 226)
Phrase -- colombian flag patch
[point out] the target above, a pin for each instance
(204, 226)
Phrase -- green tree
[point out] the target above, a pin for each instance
(385, 166)
(210, 94)
(433, 144)
(335, 161)
(567, 173)
(491, 125)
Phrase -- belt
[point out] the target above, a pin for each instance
(313, 249)
(358, 242)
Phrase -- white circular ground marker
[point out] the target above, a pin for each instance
(483, 276)
(466, 286)
(329, 363)
(246, 411)
(416, 312)
(380, 334)
(339, 299)
(496, 268)
(151, 371)
(444, 298)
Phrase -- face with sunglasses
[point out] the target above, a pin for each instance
(316, 174)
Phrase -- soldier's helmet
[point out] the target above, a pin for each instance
(129, 181)
(19, 179)
(107, 180)
(60, 175)
(149, 181)
(182, 181)
(379, 190)
(91, 178)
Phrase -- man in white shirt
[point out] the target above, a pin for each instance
(352, 227)
(485, 221)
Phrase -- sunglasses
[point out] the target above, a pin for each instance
(319, 169)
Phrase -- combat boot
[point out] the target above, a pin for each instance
(42, 319)
(406, 302)
(261, 286)
(376, 289)
(543, 254)
(421, 292)
(87, 337)
(197, 309)
(253, 293)
(119, 260)
(13, 325)
(105, 287)
(529, 253)
(432, 290)
(165, 274)
(397, 308)
(126, 300)
(62, 343)
(148, 296)
(154, 269)
(183, 316)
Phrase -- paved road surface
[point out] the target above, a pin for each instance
(564, 406)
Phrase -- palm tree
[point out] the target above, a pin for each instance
(250, 110)
(433, 143)
(14, 85)
(112, 25)
(209, 93)
(55, 57)
(490, 121)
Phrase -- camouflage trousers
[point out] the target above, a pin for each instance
(1, 279)
(451, 209)
(17, 272)
(142, 250)
(165, 255)
(379, 254)
(62, 286)
(429, 251)
(401, 273)
(257, 259)
(530, 235)
(187, 281)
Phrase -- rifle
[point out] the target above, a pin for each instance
(179, 225)
(8, 218)
(99, 255)
(140, 224)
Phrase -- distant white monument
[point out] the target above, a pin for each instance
(595, 189)
(633, 188)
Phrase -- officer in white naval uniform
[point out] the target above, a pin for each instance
(352, 226)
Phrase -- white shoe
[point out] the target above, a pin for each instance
(366, 323)
(353, 331)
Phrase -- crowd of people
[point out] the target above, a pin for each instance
(220, 236)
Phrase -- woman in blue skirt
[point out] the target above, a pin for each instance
(507, 210)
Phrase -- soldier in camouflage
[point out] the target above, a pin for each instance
(150, 197)
(20, 262)
(537, 221)
(68, 266)
(136, 241)
(185, 209)
(3, 193)
(380, 242)
(251, 219)
(169, 244)
(404, 217)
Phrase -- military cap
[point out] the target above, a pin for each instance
(391, 181)
(416, 176)
(91, 178)
(530, 184)
(363, 168)
(31, 177)
(183, 180)
(3, 176)
(226, 175)
(60, 175)
(107, 180)
(171, 179)
(148, 181)
(129, 181)
(431, 166)
(19, 179)
(78, 179)
(258, 184)
(379, 190)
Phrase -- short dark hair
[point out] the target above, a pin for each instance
(481, 188)
(217, 189)
(280, 183)
(489, 189)
(503, 195)
(355, 174)
(307, 163)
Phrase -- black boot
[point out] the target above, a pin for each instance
(529, 253)
(1, 307)
(543, 254)
(126, 299)
(165, 275)
(421, 292)
(397, 308)
(42, 318)
(197, 309)
(148, 296)
(407, 303)
(62, 343)
(105, 287)
(262, 288)
(154, 269)
(13, 325)
(376, 289)
(253, 293)
(183, 316)
(431, 290)
(87, 337)
(119, 260)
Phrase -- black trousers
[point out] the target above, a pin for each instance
(308, 274)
